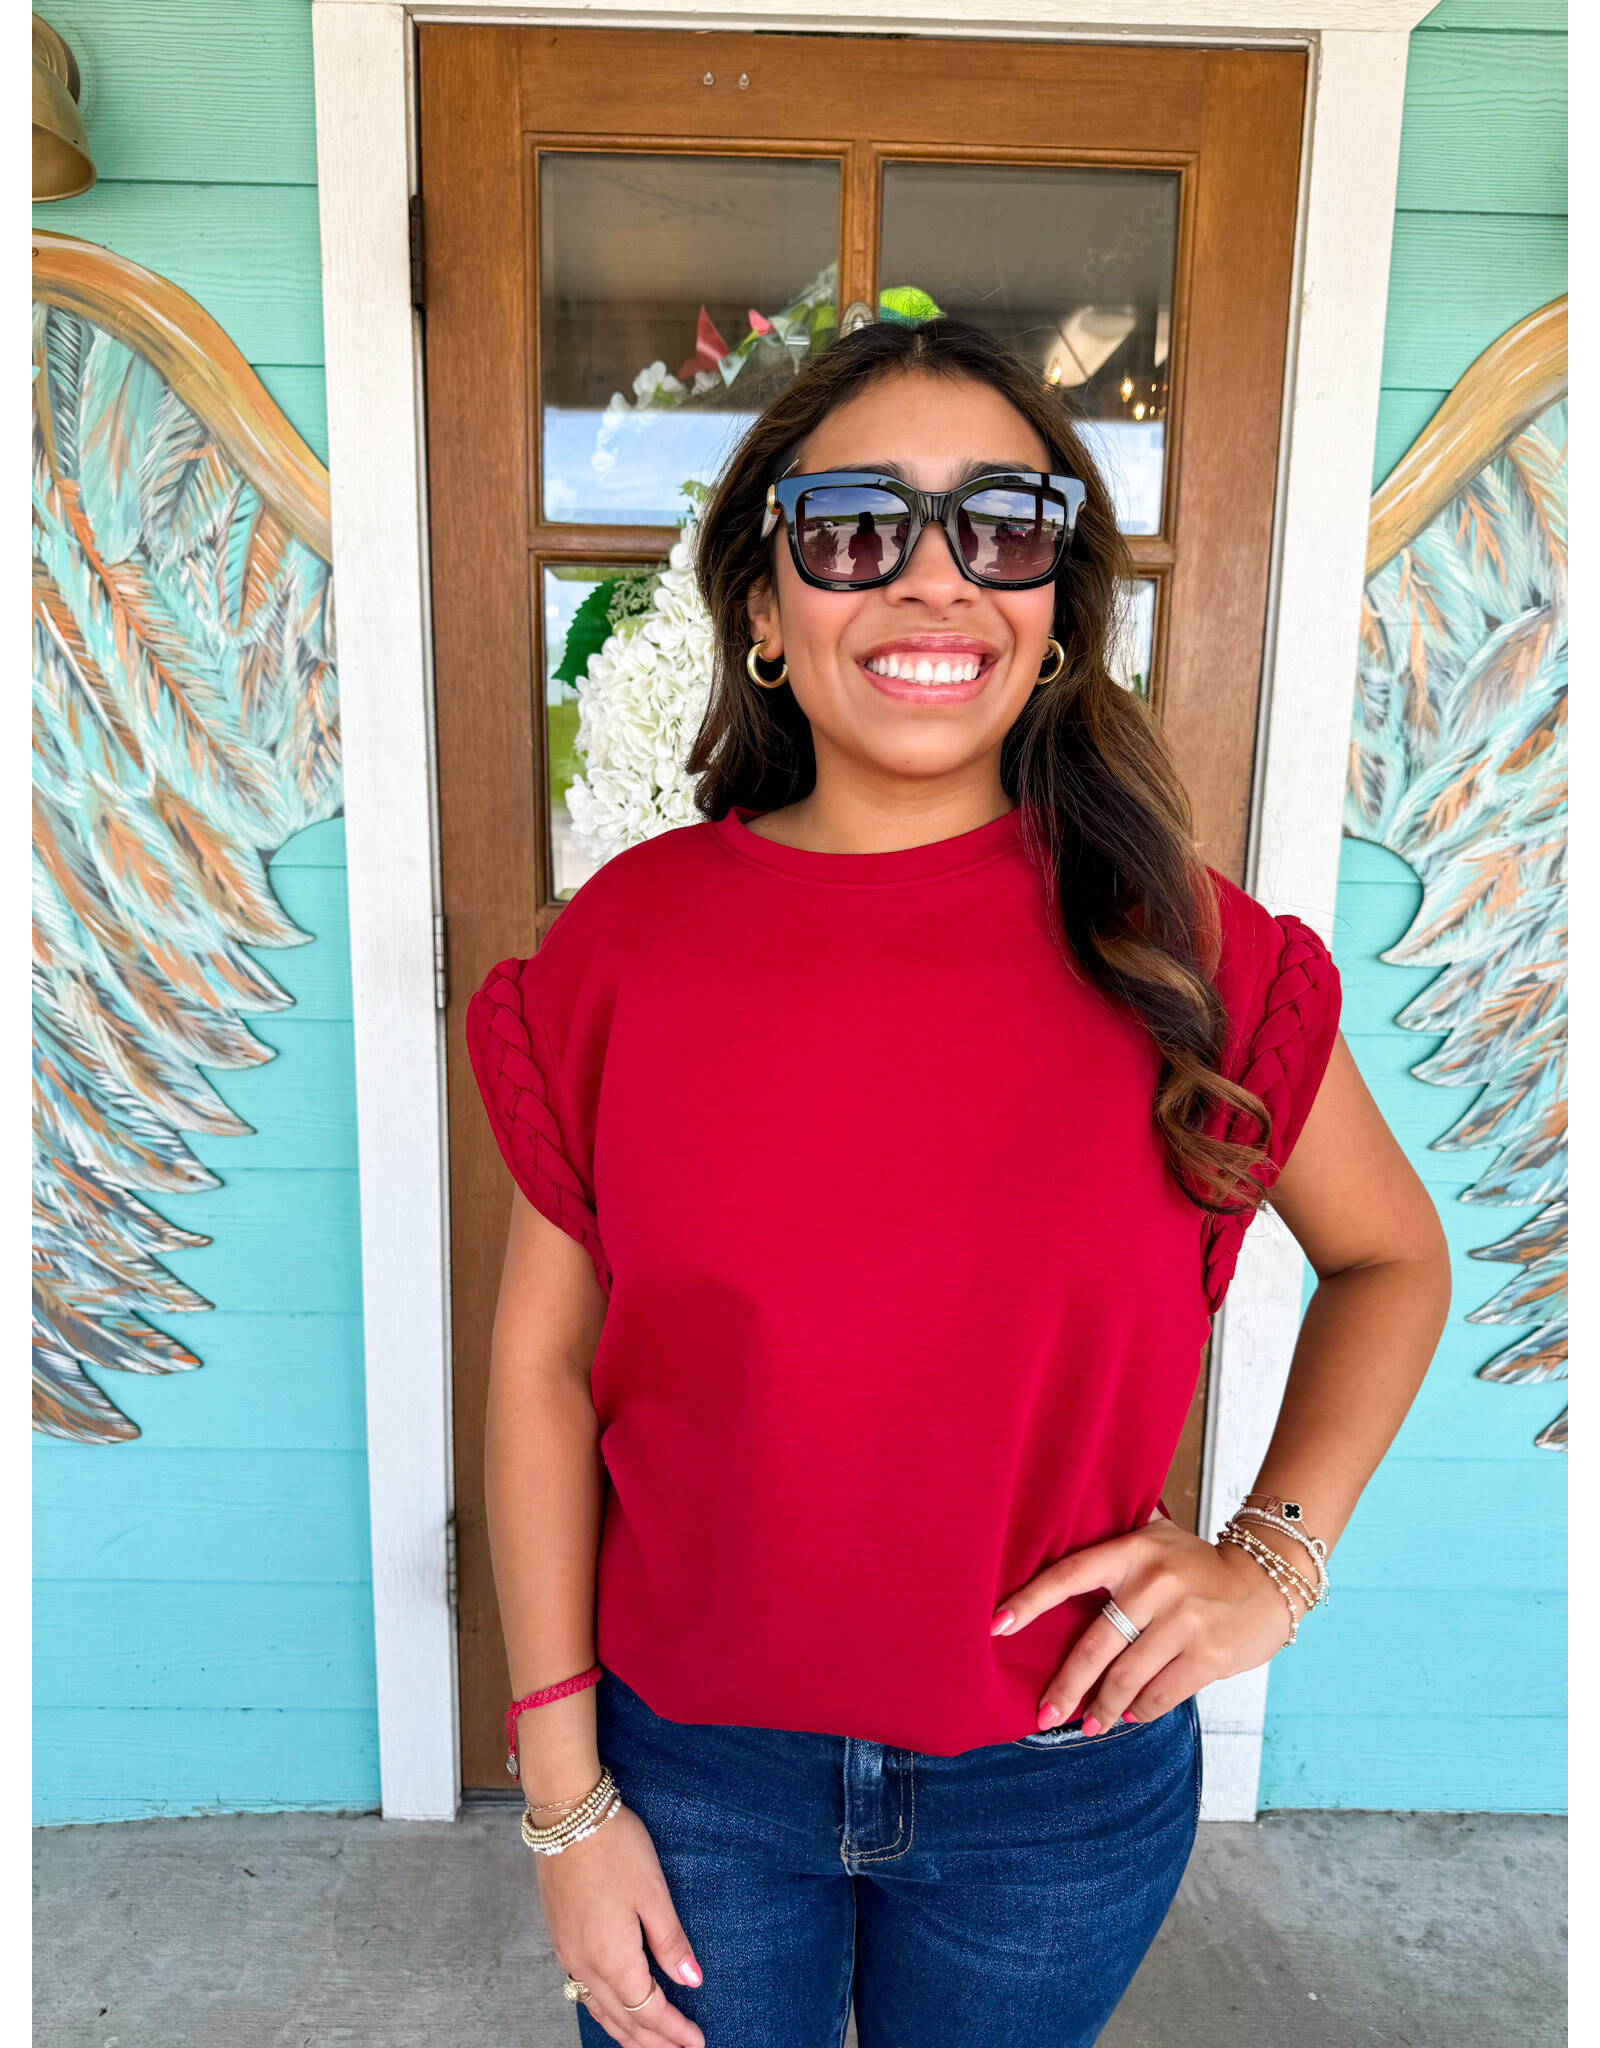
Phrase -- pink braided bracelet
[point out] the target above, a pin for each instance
(567, 1686)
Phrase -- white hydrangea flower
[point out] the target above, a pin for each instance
(639, 708)
(653, 382)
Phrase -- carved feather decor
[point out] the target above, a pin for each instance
(1458, 763)
(185, 726)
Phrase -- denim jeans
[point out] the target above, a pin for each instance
(1002, 1898)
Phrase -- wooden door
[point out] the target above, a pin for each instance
(589, 198)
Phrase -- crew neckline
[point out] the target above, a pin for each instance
(868, 870)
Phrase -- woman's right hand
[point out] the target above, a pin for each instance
(603, 1899)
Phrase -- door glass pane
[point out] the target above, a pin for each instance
(676, 295)
(1072, 268)
(582, 603)
(1133, 644)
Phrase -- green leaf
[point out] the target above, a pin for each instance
(588, 633)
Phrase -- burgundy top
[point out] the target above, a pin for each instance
(904, 1300)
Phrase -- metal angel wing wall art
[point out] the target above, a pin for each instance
(185, 721)
(1458, 763)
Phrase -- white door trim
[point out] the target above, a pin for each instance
(365, 168)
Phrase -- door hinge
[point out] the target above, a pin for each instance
(418, 267)
(450, 1561)
(441, 986)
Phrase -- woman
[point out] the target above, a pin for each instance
(882, 1147)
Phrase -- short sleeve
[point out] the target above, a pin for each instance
(1282, 991)
(521, 1094)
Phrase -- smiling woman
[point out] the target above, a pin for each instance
(827, 1443)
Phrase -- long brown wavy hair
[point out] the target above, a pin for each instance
(1105, 815)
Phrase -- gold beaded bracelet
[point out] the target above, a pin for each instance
(1282, 1575)
(595, 1808)
(1285, 1515)
(591, 1801)
(1265, 1553)
(1288, 1598)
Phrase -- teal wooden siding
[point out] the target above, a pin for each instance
(1436, 1676)
(202, 1598)
(202, 124)
(1480, 235)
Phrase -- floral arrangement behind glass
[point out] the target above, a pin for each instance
(641, 694)
(717, 377)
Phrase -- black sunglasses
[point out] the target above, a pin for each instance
(853, 529)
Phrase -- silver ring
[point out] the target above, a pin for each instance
(643, 2002)
(1120, 1622)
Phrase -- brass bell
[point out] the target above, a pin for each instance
(62, 166)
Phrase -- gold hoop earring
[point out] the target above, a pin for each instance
(752, 669)
(1049, 675)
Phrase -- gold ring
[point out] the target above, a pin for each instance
(643, 2002)
(576, 1993)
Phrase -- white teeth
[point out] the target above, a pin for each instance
(921, 669)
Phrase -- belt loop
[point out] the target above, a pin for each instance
(878, 1803)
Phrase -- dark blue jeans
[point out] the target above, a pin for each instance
(1002, 1898)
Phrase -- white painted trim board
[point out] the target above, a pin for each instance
(365, 151)
(363, 94)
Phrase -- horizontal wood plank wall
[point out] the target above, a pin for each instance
(200, 120)
(1480, 222)
(203, 1603)
(1436, 1677)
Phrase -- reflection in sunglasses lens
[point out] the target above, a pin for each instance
(851, 532)
(1010, 536)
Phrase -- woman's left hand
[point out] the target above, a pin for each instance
(1203, 1611)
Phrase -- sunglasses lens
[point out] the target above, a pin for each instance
(851, 533)
(1011, 535)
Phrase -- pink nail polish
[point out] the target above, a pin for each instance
(689, 1970)
(1090, 1725)
(1003, 1621)
(1048, 1717)
(1130, 1720)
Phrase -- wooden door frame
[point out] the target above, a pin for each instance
(366, 168)
(1224, 127)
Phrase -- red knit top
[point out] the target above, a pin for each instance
(904, 1300)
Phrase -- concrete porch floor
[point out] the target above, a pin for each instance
(1308, 1930)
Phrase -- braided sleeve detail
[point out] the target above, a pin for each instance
(1293, 1021)
(516, 1094)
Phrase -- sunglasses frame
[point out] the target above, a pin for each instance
(926, 508)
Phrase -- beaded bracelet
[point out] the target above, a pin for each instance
(1282, 1575)
(1266, 1554)
(1314, 1547)
(561, 1691)
(1288, 1598)
(593, 1811)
